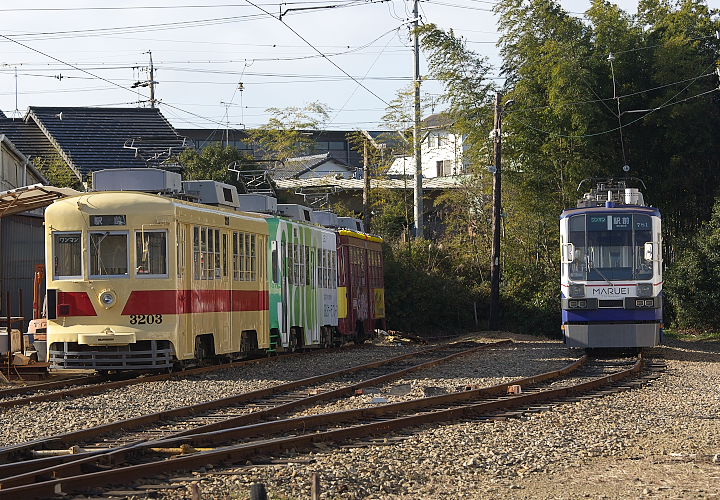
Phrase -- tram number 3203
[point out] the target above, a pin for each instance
(146, 319)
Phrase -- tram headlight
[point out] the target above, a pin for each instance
(577, 291)
(644, 290)
(107, 298)
(650, 303)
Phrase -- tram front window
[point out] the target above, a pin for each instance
(67, 258)
(108, 253)
(610, 247)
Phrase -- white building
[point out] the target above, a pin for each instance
(441, 151)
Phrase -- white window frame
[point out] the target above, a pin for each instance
(167, 259)
(82, 256)
(127, 254)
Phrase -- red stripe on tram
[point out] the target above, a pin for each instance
(195, 301)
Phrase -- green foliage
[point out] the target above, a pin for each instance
(422, 294)
(285, 135)
(564, 127)
(212, 163)
(57, 172)
(692, 283)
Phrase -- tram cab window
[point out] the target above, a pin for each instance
(67, 255)
(151, 253)
(108, 253)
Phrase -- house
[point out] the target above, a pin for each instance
(90, 139)
(441, 151)
(307, 167)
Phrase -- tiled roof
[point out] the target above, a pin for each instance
(27, 138)
(437, 183)
(93, 139)
(295, 167)
(23, 158)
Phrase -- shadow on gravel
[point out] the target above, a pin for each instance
(683, 350)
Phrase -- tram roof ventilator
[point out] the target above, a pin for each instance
(148, 180)
(214, 193)
(611, 192)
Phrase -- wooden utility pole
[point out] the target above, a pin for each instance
(366, 187)
(497, 216)
(418, 192)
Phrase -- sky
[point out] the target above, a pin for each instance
(351, 55)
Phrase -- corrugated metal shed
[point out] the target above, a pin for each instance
(436, 183)
(21, 240)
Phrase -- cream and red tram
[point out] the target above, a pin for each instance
(142, 281)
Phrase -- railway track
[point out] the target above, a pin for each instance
(230, 411)
(101, 384)
(234, 441)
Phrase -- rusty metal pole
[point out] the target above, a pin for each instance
(497, 214)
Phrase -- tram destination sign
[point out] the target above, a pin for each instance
(107, 220)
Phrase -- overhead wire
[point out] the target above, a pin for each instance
(319, 52)
(100, 77)
(55, 35)
(669, 102)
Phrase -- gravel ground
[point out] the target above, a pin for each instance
(88, 411)
(660, 441)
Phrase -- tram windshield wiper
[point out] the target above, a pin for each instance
(589, 264)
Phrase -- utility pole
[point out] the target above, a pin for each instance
(418, 193)
(152, 81)
(148, 83)
(497, 215)
(366, 187)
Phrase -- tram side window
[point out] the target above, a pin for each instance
(180, 247)
(108, 253)
(216, 247)
(642, 224)
(236, 256)
(576, 236)
(67, 255)
(275, 263)
(151, 253)
(197, 256)
(253, 257)
(225, 255)
(203, 253)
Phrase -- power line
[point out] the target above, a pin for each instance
(101, 78)
(319, 52)
(149, 7)
(54, 35)
(649, 111)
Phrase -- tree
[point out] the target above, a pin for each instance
(212, 163)
(691, 284)
(286, 134)
(57, 172)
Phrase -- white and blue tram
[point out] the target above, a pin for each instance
(611, 271)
